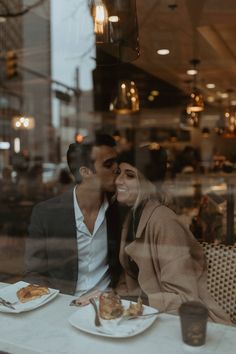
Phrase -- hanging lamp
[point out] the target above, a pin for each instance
(127, 99)
(196, 102)
(190, 119)
(229, 118)
(116, 29)
(100, 21)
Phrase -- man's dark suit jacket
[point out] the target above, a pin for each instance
(51, 254)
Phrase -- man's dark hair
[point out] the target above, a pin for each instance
(104, 139)
(79, 154)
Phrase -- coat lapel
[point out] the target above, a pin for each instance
(146, 214)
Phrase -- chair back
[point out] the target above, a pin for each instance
(221, 280)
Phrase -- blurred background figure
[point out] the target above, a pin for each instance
(63, 182)
(7, 185)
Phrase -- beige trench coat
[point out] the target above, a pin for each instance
(171, 262)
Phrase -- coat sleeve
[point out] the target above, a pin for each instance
(178, 262)
(35, 259)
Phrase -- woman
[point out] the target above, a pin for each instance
(160, 256)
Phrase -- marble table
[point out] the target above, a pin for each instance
(47, 330)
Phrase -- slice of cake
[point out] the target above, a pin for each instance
(110, 306)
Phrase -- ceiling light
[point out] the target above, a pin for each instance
(210, 99)
(224, 95)
(151, 98)
(113, 18)
(233, 103)
(191, 72)
(2, 19)
(210, 86)
(155, 93)
(163, 51)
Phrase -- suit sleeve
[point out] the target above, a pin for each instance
(36, 262)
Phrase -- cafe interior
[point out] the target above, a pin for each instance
(155, 73)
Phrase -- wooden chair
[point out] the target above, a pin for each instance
(221, 261)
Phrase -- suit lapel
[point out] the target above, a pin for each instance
(66, 217)
(66, 220)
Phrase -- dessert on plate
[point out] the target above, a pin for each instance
(31, 292)
(110, 306)
(134, 309)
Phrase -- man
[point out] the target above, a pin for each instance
(73, 242)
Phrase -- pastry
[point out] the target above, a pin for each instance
(31, 292)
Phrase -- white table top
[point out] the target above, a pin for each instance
(47, 330)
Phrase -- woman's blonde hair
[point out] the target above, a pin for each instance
(148, 191)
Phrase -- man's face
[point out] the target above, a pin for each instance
(105, 166)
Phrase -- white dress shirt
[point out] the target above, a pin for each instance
(92, 251)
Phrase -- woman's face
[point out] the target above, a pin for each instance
(127, 184)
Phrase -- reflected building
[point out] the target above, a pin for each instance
(11, 38)
(29, 91)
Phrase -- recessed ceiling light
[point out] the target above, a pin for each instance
(154, 93)
(113, 18)
(2, 19)
(224, 95)
(191, 72)
(210, 99)
(233, 103)
(163, 51)
(210, 86)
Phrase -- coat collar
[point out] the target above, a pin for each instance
(148, 210)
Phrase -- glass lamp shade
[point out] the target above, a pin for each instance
(127, 100)
(116, 28)
(196, 103)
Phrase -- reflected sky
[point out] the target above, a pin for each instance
(72, 42)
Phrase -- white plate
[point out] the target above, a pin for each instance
(83, 319)
(8, 293)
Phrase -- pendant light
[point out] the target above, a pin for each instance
(190, 119)
(127, 99)
(116, 28)
(196, 102)
(229, 118)
(100, 20)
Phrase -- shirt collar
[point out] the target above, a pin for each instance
(78, 214)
